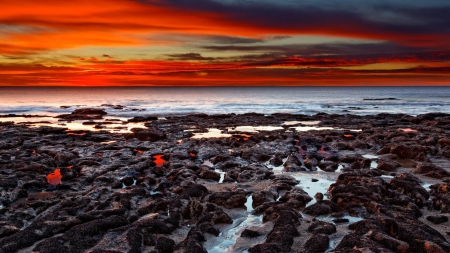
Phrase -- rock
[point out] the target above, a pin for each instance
(430, 170)
(317, 209)
(387, 165)
(165, 245)
(340, 220)
(390, 243)
(410, 151)
(228, 199)
(127, 181)
(143, 118)
(89, 111)
(444, 142)
(317, 243)
(206, 173)
(250, 233)
(322, 227)
(145, 135)
(437, 219)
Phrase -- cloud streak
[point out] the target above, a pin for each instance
(212, 42)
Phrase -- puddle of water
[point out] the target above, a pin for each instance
(54, 178)
(159, 160)
(110, 124)
(222, 175)
(408, 130)
(212, 133)
(254, 129)
(226, 245)
(295, 122)
(276, 169)
(312, 188)
(339, 168)
(309, 128)
(249, 203)
(426, 186)
(373, 164)
(369, 156)
(107, 142)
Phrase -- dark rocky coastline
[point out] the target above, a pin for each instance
(160, 190)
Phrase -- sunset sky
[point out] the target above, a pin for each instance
(224, 42)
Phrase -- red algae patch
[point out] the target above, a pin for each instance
(159, 160)
(54, 178)
(191, 154)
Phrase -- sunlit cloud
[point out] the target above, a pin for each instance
(223, 42)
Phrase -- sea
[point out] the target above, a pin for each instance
(169, 101)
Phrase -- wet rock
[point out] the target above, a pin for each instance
(390, 243)
(127, 181)
(8, 183)
(320, 208)
(206, 173)
(250, 233)
(143, 118)
(145, 135)
(293, 164)
(340, 220)
(317, 243)
(321, 227)
(430, 170)
(165, 245)
(89, 111)
(296, 198)
(328, 166)
(228, 199)
(387, 165)
(444, 142)
(282, 235)
(410, 185)
(437, 219)
(410, 151)
(192, 243)
(262, 197)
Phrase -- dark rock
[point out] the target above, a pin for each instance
(410, 151)
(250, 233)
(430, 170)
(437, 219)
(322, 227)
(317, 243)
(165, 245)
(387, 165)
(228, 199)
(145, 135)
(206, 173)
(89, 111)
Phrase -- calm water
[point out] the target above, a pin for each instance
(164, 101)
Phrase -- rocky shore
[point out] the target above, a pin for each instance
(228, 183)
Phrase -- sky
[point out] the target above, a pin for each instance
(224, 42)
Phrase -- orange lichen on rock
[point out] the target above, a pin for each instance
(54, 178)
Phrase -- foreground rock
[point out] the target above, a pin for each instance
(155, 189)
